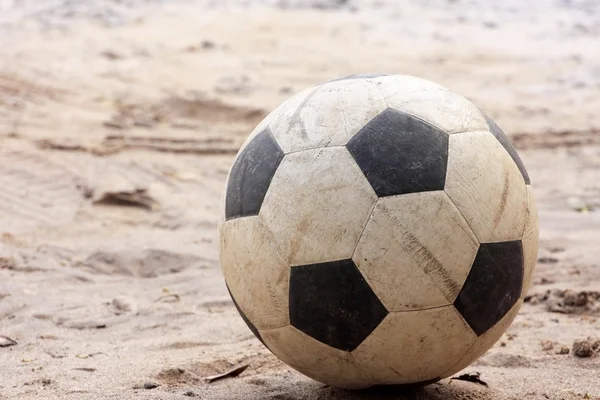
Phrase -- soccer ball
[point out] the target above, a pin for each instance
(378, 229)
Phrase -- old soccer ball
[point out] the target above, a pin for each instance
(378, 229)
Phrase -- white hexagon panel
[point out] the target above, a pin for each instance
(256, 273)
(315, 359)
(414, 346)
(431, 102)
(416, 251)
(484, 342)
(487, 187)
(329, 115)
(317, 205)
(530, 241)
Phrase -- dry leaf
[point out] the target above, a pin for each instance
(230, 373)
(5, 341)
(475, 378)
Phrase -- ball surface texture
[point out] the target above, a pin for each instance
(378, 229)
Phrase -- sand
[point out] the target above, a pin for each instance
(119, 121)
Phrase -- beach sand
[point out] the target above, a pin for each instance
(119, 122)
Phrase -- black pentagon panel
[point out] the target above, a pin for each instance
(334, 304)
(399, 154)
(357, 76)
(493, 285)
(246, 320)
(251, 175)
(505, 142)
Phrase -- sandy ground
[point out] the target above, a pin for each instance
(119, 121)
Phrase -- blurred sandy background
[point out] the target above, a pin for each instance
(119, 121)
